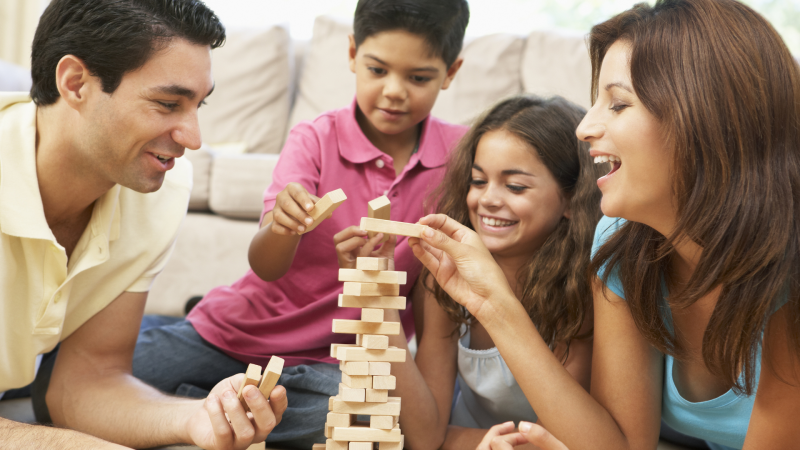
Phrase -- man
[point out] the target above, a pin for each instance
(91, 196)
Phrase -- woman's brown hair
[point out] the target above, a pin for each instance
(726, 92)
(555, 290)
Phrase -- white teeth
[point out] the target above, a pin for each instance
(162, 158)
(606, 158)
(495, 222)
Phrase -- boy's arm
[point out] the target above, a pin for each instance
(34, 437)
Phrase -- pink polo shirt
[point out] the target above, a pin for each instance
(252, 319)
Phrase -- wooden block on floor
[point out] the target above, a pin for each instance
(361, 433)
(377, 395)
(251, 377)
(390, 408)
(352, 395)
(371, 315)
(354, 367)
(370, 289)
(325, 207)
(271, 375)
(384, 382)
(335, 348)
(369, 263)
(375, 342)
(258, 446)
(391, 354)
(330, 444)
(379, 208)
(392, 445)
(390, 227)
(357, 381)
(379, 368)
(340, 420)
(383, 302)
(359, 327)
(361, 446)
(382, 422)
(362, 276)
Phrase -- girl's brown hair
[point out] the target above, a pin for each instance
(555, 290)
(726, 91)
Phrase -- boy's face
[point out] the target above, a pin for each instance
(397, 80)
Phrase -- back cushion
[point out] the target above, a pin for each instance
(557, 63)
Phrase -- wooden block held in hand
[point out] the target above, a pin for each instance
(384, 382)
(391, 354)
(251, 377)
(354, 367)
(371, 276)
(370, 289)
(384, 302)
(390, 227)
(379, 368)
(357, 381)
(371, 315)
(330, 444)
(340, 420)
(382, 422)
(376, 342)
(379, 208)
(259, 446)
(377, 395)
(271, 375)
(352, 395)
(359, 327)
(370, 263)
(325, 207)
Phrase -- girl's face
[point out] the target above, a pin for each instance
(514, 201)
(622, 131)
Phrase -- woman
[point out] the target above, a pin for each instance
(697, 105)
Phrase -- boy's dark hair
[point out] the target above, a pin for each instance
(440, 22)
(114, 37)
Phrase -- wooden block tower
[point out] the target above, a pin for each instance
(366, 365)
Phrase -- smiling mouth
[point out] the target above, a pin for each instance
(615, 161)
(497, 222)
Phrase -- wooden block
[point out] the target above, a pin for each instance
(330, 444)
(371, 276)
(371, 315)
(361, 433)
(340, 420)
(377, 395)
(379, 368)
(392, 445)
(328, 431)
(335, 348)
(390, 227)
(385, 302)
(379, 208)
(382, 422)
(391, 354)
(369, 263)
(325, 207)
(359, 327)
(271, 375)
(372, 341)
(384, 382)
(360, 446)
(352, 395)
(370, 289)
(357, 381)
(258, 446)
(318, 447)
(390, 408)
(251, 377)
(354, 367)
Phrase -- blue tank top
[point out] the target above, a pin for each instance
(722, 422)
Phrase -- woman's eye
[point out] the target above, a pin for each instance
(516, 187)
(376, 70)
(619, 107)
(475, 182)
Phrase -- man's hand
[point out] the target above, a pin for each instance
(222, 423)
(290, 214)
(352, 242)
(507, 439)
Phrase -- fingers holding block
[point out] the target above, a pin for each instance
(251, 377)
(271, 375)
(390, 227)
(325, 207)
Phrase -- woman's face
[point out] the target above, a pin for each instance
(514, 201)
(623, 132)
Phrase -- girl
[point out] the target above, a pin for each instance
(525, 184)
(697, 303)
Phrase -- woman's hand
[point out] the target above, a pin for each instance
(352, 242)
(461, 264)
(528, 433)
(290, 214)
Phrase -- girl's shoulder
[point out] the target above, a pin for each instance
(606, 228)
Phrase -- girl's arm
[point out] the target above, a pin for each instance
(426, 383)
(773, 423)
(626, 370)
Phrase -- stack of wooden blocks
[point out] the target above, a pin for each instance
(366, 365)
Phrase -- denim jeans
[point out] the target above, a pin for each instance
(173, 358)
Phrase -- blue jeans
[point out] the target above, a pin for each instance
(173, 358)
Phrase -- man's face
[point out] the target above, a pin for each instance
(132, 136)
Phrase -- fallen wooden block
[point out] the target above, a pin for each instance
(354, 367)
(382, 422)
(251, 377)
(384, 382)
(370, 289)
(349, 394)
(391, 354)
(369, 263)
(330, 444)
(372, 315)
(390, 227)
(378, 368)
(271, 375)
(375, 342)
(390, 408)
(365, 433)
(340, 420)
(359, 327)
(325, 207)
(376, 395)
(379, 208)
(384, 302)
(372, 276)
(357, 381)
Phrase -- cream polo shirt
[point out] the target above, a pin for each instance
(43, 296)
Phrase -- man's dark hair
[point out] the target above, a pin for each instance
(440, 22)
(114, 37)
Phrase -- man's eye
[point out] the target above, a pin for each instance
(169, 106)
(420, 79)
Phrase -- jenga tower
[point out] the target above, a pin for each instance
(366, 368)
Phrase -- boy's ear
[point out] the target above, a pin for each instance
(73, 81)
(451, 73)
(351, 53)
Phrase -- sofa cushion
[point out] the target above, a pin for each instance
(14, 78)
(238, 182)
(557, 63)
(201, 172)
(250, 103)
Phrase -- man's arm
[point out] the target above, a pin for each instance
(92, 390)
(34, 437)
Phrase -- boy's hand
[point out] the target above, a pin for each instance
(352, 242)
(290, 214)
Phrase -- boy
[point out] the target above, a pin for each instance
(403, 53)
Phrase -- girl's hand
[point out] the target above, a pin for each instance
(290, 214)
(528, 433)
(497, 431)
(461, 264)
(352, 242)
